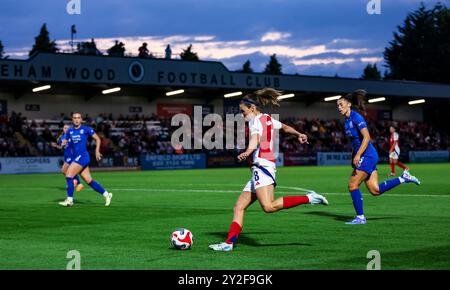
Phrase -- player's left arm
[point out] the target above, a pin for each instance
(302, 138)
(97, 139)
(364, 143)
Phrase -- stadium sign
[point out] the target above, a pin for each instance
(216, 80)
(76, 68)
(126, 70)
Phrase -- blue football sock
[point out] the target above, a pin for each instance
(389, 184)
(69, 187)
(97, 187)
(357, 201)
(77, 178)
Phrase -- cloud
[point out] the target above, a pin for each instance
(372, 59)
(204, 38)
(275, 36)
(343, 40)
(293, 56)
(317, 61)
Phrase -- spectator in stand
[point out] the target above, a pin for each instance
(143, 50)
(168, 52)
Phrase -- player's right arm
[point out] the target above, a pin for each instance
(256, 131)
(64, 139)
(54, 145)
(252, 146)
(391, 148)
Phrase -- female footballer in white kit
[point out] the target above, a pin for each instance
(263, 167)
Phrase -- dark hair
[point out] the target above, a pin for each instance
(357, 99)
(76, 112)
(262, 98)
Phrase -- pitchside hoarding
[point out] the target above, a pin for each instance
(334, 158)
(12, 165)
(168, 110)
(297, 159)
(428, 156)
(183, 161)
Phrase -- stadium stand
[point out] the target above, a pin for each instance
(132, 135)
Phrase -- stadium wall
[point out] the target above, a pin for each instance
(52, 105)
(329, 111)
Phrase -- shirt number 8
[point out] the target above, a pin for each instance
(256, 175)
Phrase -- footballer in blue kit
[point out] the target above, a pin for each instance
(364, 155)
(67, 157)
(76, 139)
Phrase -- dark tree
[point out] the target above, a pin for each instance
(273, 67)
(42, 42)
(246, 68)
(421, 46)
(371, 72)
(188, 54)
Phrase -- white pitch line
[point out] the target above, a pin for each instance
(346, 193)
(279, 192)
(185, 190)
(231, 191)
(295, 188)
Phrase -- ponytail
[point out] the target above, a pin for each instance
(357, 99)
(263, 98)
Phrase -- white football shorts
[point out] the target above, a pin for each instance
(261, 176)
(393, 155)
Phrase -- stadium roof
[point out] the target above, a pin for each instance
(108, 70)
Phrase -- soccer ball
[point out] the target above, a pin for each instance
(182, 239)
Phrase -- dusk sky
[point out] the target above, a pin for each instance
(310, 37)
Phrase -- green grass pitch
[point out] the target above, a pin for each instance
(409, 225)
